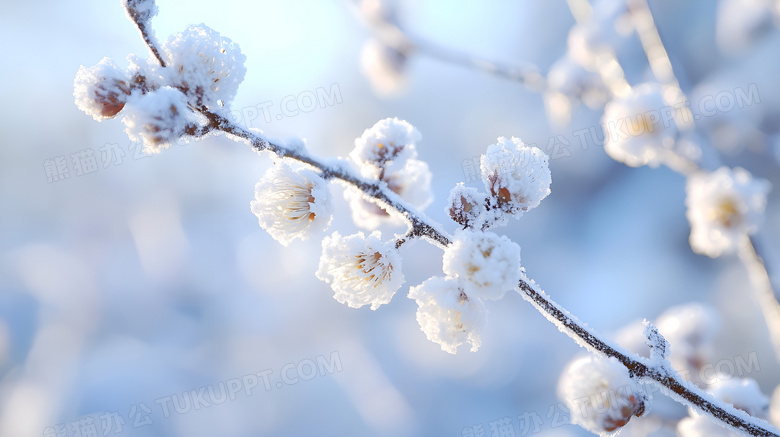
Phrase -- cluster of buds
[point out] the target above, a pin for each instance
(202, 70)
(517, 178)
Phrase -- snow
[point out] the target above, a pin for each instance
(208, 66)
(361, 270)
(724, 207)
(156, 118)
(518, 177)
(447, 315)
(488, 264)
(743, 394)
(101, 91)
(690, 330)
(388, 144)
(292, 204)
(465, 205)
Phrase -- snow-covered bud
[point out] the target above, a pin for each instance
(465, 205)
(640, 129)
(205, 65)
(412, 183)
(101, 91)
(157, 118)
(488, 264)
(292, 204)
(388, 144)
(723, 207)
(447, 315)
(518, 177)
(600, 394)
(690, 330)
(744, 394)
(361, 270)
(591, 42)
(141, 11)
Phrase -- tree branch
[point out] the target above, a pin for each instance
(422, 226)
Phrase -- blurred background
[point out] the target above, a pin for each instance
(129, 283)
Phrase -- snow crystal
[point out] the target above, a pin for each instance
(156, 118)
(447, 315)
(292, 204)
(488, 264)
(101, 91)
(723, 207)
(640, 129)
(207, 66)
(518, 177)
(600, 394)
(361, 270)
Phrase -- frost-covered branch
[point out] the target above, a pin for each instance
(186, 96)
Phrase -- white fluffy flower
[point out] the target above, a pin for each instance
(488, 264)
(518, 177)
(641, 128)
(744, 394)
(361, 270)
(412, 183)
(208, 66)
(600, 394)
(690, 330)
(388, 144)
(447, 315)
(101, 91)
(291, 204)
(156, 118)
(723, 207)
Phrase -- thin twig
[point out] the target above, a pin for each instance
(422, 226)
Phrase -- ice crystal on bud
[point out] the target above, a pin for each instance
(488, 264)
(156, 118)
(291, 204)
(388, 144)
(205, 65)
(447, 315)
(361, 270)
(518, 177)
(600, 394)
(465, 205)
(640, 129)
(101, 91)
(690, 330)
(723, 207)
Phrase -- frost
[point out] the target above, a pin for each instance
(156, 118)
(488, 264)
(465, 205)
(659, 347)
(600, 394)
(518, 177)
(412, 183)
(292, 204)
(140, 10)
(640, 129)
(361, 270)
(388, 145)
(207, 66)
(724, 207)
(101, 91)
(447, 315)
(744, 394)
